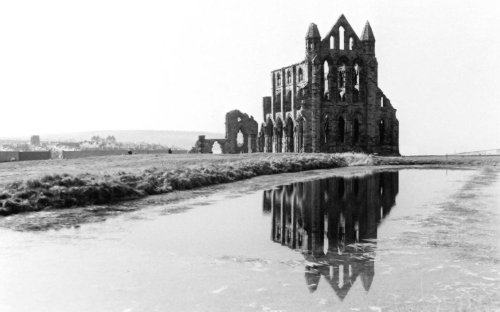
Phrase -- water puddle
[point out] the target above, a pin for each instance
(374, 241)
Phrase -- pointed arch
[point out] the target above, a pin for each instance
(341, 78)
(289, 135)
(341, 37)
(326, 130)
(278, 136)
(261, 138)
(332, 42)
(326, 86)
(277, 102)
(268, 136)
(299, 135)
(300, 74)
(288, 101)
(239, 138)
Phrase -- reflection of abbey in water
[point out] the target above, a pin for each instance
(326, 218)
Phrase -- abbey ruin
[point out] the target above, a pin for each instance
(237, 123)
(330, 102)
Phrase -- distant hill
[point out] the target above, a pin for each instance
(181, 139)
(485, 152)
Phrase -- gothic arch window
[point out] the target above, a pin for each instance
(277, 103)
(326, 86)
(300, 74)
(239, 139)
(355, 76)
(341, 130)
(341, 37)
(278, 80)
(288, 101)
(332, 42)
(288, 77)
(341, 81)
(355, 82)
(351, 43)
(290, 135)
(382, 101)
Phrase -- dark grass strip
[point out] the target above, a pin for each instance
(66, 191)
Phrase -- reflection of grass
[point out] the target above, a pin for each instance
(73, 190)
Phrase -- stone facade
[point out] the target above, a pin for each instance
(236, 122)
(330, 102)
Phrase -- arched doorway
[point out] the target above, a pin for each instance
(239, 139)
(289, 136)
(278, 136)
(216, 148)
(268, 139)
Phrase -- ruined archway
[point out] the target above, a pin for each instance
(240, 139)
(289, 137)
(241, 133)
(216, 148)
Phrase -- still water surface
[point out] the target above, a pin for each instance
(398, 240)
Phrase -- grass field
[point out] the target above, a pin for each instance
(38, 185)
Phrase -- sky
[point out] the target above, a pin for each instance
(181, 65)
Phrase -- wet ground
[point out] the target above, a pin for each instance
(352, 239)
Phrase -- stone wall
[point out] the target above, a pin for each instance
(22, 156)
(35, 155)
(96, 153)
(9, 156)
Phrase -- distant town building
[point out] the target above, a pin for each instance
(35, 140)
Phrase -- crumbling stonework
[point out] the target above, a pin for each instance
(330, 102)
(236, 123)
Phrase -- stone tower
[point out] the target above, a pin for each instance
(330, 102)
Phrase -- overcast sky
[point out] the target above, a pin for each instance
(181, 65)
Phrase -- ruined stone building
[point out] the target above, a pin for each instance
(236, 123)
(330, 101)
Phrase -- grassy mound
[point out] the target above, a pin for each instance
(65, 191)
